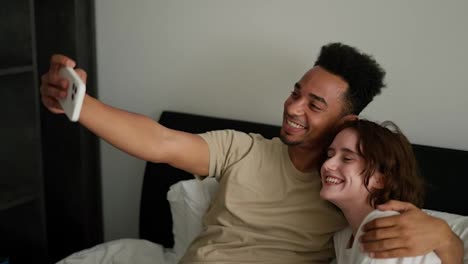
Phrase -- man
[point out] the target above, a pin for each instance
(268, 209)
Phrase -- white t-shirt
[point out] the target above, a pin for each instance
(354, 255)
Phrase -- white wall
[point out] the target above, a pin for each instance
(240, 59)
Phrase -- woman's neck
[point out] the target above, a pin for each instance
(356, 214)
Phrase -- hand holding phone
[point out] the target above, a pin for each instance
(75, 94)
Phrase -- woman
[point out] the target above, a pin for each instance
(368, 164)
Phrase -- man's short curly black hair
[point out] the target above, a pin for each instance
(362, 73)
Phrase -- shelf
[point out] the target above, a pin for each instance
(48, 208)
(13, 198)
(16, 70)
(20, 139)
(12, 195)
(23, 233)
(16, 46)
(22, 208)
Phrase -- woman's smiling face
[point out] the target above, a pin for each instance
(342, 172)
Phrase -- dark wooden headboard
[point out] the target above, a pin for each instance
(443, 169)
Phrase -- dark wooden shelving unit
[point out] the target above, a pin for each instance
(50, 202)
(22, 209)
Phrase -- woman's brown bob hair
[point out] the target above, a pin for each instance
(385, 148)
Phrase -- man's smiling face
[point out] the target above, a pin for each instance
(314, 108)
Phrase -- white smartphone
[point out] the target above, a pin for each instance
(76, 91)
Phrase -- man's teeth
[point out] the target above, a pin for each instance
(333, 180)
(295, 125)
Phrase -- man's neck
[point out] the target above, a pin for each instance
(305, 159)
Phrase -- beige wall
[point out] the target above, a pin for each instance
(239, 59)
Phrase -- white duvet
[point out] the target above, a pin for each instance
(123, 251)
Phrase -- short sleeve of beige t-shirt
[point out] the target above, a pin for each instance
(265, 211)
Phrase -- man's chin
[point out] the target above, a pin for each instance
(289, 142)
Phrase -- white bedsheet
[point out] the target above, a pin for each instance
(123, 251)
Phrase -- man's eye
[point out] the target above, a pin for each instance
(315, 107)
(294, 94)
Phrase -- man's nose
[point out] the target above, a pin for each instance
(297, 107)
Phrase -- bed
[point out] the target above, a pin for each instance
(443, 169)
(173, 202)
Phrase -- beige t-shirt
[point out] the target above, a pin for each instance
(266, 211)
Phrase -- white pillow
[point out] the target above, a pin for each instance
(189, 201)
(459, 225)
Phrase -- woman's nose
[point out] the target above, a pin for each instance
(330, 164)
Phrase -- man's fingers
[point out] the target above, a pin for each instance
(55, 80)
(380, 234)
(383, 222)
(58, 60)
(50, 91)
(53, 86)
(393, 253)
(52, 104)
(381, 245)
(396, 206)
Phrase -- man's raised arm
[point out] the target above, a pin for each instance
(138, 135)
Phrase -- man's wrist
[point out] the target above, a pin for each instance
(451, 250)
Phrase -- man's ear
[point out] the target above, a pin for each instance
(348, 117)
